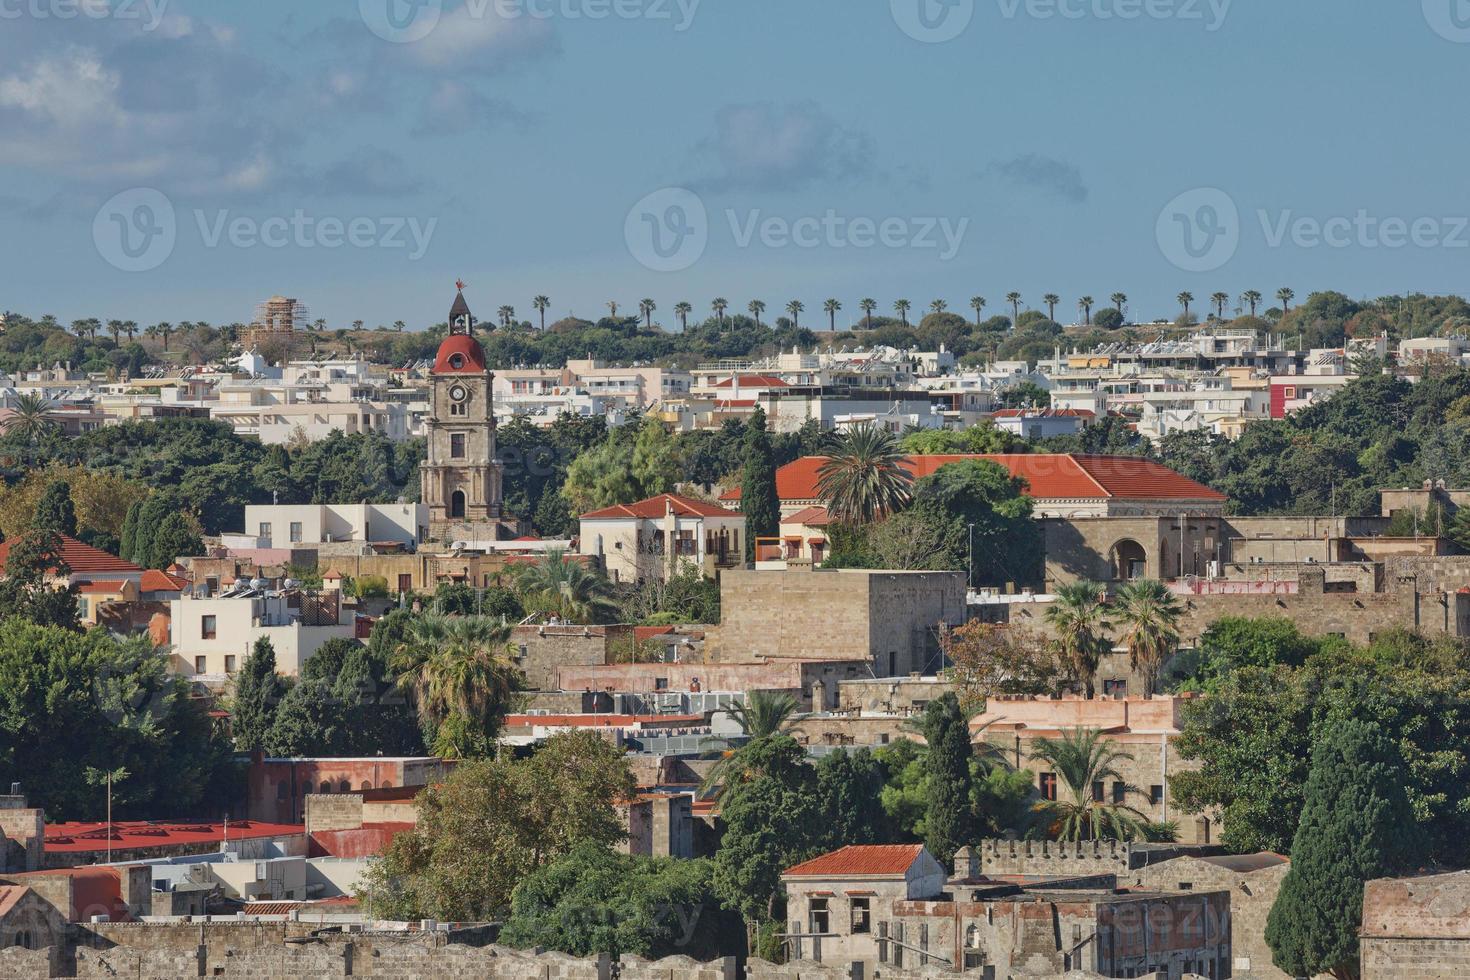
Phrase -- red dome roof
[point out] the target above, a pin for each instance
(460, 354)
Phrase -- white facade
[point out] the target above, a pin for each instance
(299, 525)
(212, 637)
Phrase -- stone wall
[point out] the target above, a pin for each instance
(1059, 859)
(336, 811)
(541, 650)
(890, 695)
(1252, 893)
(1421, 959)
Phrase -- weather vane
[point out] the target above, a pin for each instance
(459, 284)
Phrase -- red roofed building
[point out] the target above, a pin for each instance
(845, 894)
(1063, 485)
(86, 563)
(655, 538)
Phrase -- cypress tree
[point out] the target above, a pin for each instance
(1356, 824)
(130, 531)
(758, 485)
(949, 819)
(55, 510)
(258, 692)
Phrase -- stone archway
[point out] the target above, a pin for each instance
(456, 505)
(1129, 561)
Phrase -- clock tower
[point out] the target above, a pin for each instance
(461, 476)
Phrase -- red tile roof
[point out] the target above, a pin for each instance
(80, 557)
(9, 895)
(460, 354)
(643, 634)
(156, 581)
(132, 835)
(656, 507)
(810, 517)
(855, 860)
(101, 588)
(1050, 476)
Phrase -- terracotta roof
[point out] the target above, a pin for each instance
(754, 381)
(134, 834)
(656, 507)
(80, 557)
(101, 588)
(332, 576)
(156, 581)
(644, 633)
(472, 356)
(1050, 476)
(9, 895)
(810, 517)
(869, 859)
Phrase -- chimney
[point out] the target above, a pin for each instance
(966, 863)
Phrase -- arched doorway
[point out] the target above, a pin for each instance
(1129, 561)
(456, 504)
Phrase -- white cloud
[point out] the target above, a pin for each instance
(475, 38)
(763, 146)
(70, 89)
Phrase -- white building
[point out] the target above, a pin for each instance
(654, 538)
(304, 525)
(211, 637)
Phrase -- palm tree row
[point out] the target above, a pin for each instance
(1082, 620)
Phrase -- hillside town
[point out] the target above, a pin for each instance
(829, 664)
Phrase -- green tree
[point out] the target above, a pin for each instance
(491, 824)
(1356, 825)
(130, 531)
(1108, 319)
(850, 786)
(1233, 642)
(1149, 614)
(1079, 619)
(982, 515)
(310, 721)
(32, 589)
(556, 584)
(758, 500)
(602, 477)
(1083, 759)
(596, 901)
(173, 538)
(863, 478)
(655, 459)
(258, 693)
(760, 715)
(461, 679)
(30, 419)
(55, 510)
(949, 822)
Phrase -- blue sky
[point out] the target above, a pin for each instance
(1051, 146)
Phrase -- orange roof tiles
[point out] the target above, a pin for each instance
(860, 860)
(156, 581)
(101, 588)
(80, 557)
(656, 507)
(1049, 476)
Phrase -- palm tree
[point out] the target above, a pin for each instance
(1085, 305)
(938, 306)
(796, 308)
(130, 328)
(902, 308)
(507, 314)
(1286, 294)
(1251, 298)
(612, 309)
(682, 311)
(356, 324)
(1185, 298)
(1083, 760)
(868, 305)
(541, 305)
(977, 303)
(115, 327)
(761, 715)
(756, 308)
(560, 586)
(398, 326)
(830, 308)
(1149, 616)
(29, 419)
(458, 672)
(1014, 298)
(1220, 299)
(863, 478)
(1119, 301)
(720, 305)
(1079, 620)
(646, 307)
(1051, 300)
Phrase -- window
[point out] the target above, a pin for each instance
(456, 446)
(1156, 794)
(1120, 791)
(660, 683)
(344, 787)
(1048, 786)
(405, 583)
(459, 408)
(208, 626)
(456, 504)
(1097, 791)
(200, 664)
(1115, 688)
(821, 917)
(326, 787)
(296, 532)
(229, 663)
(862, 920)
(82, 607)
(265, 530)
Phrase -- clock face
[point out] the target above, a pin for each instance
(459, 393)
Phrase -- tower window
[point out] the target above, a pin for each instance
(456, 445)
(456, 361)
(459, 408)
(456, 504)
